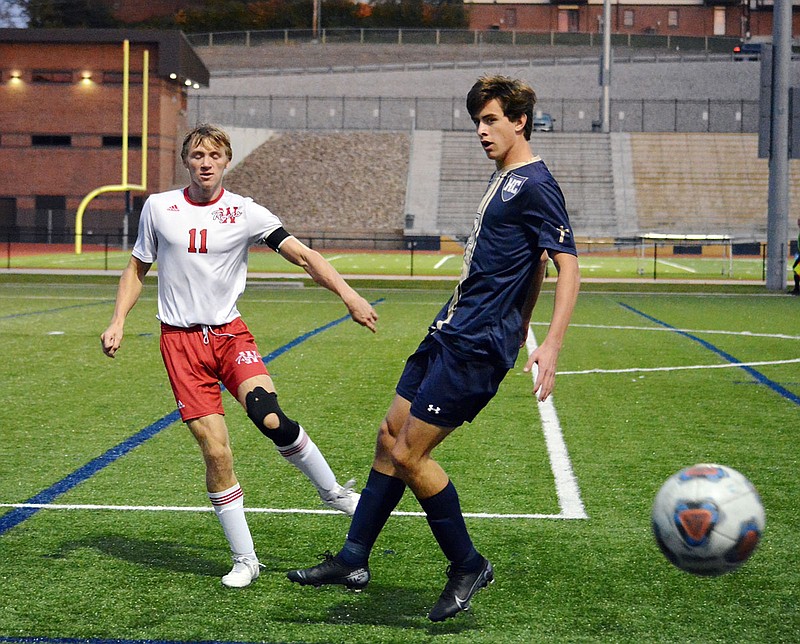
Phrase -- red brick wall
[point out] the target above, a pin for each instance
(86, 111)
(692, 20)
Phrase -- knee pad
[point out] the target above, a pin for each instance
(259, 404)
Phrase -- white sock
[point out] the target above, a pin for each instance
(229, 508)
(307, 458)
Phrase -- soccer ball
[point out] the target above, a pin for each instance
(707, 519)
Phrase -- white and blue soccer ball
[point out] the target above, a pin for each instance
(708, 519)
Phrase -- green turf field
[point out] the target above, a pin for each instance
(647, 385)
(424, 263)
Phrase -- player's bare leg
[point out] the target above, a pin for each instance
(226, 497)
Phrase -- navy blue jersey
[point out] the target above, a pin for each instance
(521, 214)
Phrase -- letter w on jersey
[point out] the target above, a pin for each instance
(226, 215)
(512, 186)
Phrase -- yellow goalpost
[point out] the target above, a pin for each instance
(124, 185)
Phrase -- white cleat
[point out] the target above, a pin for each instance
(245, 570)
(342, 498)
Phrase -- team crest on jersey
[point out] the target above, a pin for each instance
(511, 186)
(226, 215)
(247, 357)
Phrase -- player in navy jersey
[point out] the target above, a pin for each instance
(200, 236)
(470, 346)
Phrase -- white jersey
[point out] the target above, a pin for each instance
(202, 252)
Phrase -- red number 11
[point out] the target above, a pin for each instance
(193, 240)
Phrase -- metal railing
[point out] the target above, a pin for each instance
(449, 114)
(355, 35)
(642, 256)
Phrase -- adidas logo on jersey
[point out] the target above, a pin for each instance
(173, 208)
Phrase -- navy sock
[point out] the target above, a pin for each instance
(380, 496)
(443, 512)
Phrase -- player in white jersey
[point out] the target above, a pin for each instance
(201, 237)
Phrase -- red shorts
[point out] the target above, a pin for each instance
(198, 358)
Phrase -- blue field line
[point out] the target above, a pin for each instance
(760, 377)
(56, 310)
(18, 515)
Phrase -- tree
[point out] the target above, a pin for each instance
(417, 13)
(68, 13)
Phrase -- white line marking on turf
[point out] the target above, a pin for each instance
(615, 327)
(567, 490)
(678, 266)
(179, 508)
(334, 258)
(441, 262)
(727, 365)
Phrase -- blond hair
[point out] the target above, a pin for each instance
(217, 137)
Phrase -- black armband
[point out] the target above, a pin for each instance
(276, 238)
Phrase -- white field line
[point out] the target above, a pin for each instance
(334, 258)
(567, 490)
(441, 262)
(678, 266)
(616, 327)
(183, 508)
(727, 365)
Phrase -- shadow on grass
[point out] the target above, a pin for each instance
(162, 554)
(402, 607)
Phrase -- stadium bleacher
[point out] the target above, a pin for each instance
(616, 185)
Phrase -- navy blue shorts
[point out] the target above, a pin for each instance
(445, 389)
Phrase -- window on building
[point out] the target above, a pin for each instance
(115, 78)
(116, 142)
(719, 21)
(51, 140)
(627, 18)
(511, 18)
(50, 219)
(672, 18)
(8, 217)
(50, 76)
(567, 20)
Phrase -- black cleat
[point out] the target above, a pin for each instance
(459, 590)
(331, 571)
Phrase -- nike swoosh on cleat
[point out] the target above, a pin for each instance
(358, 577)
(463, 604)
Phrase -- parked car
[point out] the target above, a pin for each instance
(543, 122)
(747, 51)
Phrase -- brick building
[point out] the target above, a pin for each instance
(61, 125)
(735, 18)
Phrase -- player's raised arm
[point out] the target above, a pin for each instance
(130, 288)
(326, 275)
